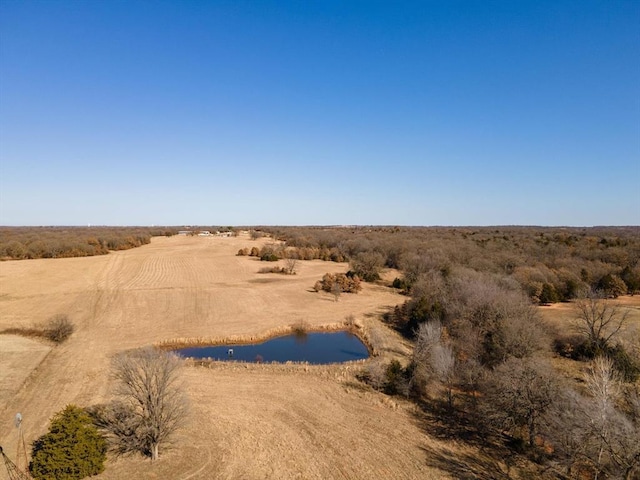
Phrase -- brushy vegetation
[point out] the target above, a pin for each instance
(72, 449)
(482, 355)
(20, 243)
(57, 329)
(339, 282)
(549, 264)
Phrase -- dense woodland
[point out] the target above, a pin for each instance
(19, 243)
(484, 367)
(550, 264)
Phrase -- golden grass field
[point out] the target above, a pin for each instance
(246, 421)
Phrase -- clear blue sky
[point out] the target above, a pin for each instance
(320, 112)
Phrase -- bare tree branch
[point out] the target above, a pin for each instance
(153, 404)
(598, 319)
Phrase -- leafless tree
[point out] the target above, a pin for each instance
(625, 447)
(427, 338)
(568, 428)
(290, 265)
(443, 363)
(433, 359)
(600, 430)
(153, 405)
(519, 394)
(604, 390)
(598, 320)
(498, 318)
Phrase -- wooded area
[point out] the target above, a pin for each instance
(20, 243)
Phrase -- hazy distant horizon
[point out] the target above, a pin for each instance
(320, 113)
(264, 225)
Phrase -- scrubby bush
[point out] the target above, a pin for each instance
(401, 284)
(72, 449)
(58, 328)
(300, 328)
(367, 265)
(548, 294)
(269, 253)
(396, 382)
(347, 283)
(275, 269)
(631, 277)
(612, 286)
(392, 378)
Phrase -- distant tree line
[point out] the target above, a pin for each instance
(19, 243)
(483, 360)
(550, 264)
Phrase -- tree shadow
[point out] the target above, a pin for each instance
(487, 458)
(465, 466)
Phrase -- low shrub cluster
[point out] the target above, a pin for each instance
(578, 348)
(275, 269)
(58, 328)
(346, 283)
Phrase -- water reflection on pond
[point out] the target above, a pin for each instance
(315, 348)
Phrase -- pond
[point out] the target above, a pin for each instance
(315, 348)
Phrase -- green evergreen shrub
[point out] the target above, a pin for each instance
(72, 449)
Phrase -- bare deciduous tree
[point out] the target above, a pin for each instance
(604, 389)
(598, 320)
(625, 451)
(427, 337)
(433, 359)
(568, 428)
(443, 363)
(519, 394)
(290, 265)
(599, 431)
(153, 405)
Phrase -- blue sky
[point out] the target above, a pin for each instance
(320, 112)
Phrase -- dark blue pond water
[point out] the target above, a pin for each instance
(315, 348)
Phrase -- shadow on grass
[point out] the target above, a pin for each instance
(483, 455)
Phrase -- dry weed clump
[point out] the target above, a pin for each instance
(57, 329)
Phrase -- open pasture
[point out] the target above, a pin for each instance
(246, 421)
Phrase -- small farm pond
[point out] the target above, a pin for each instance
(315, 348)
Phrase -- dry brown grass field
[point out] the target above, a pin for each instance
(246, 421)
